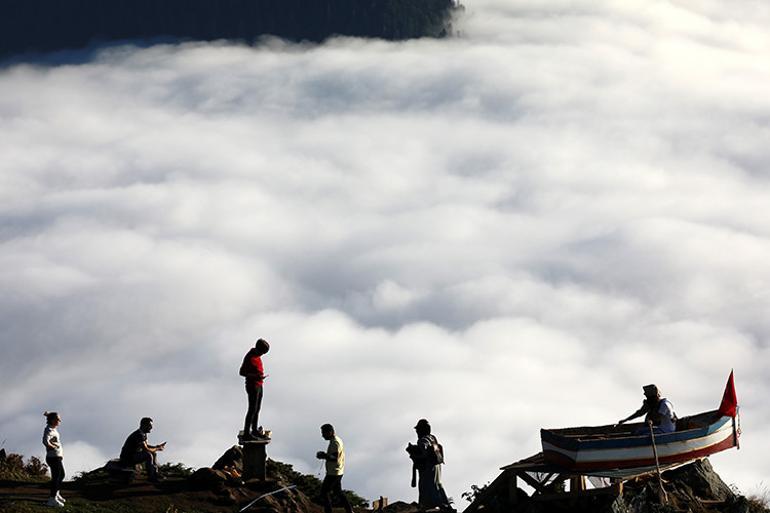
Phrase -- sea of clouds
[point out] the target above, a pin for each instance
(511, 229)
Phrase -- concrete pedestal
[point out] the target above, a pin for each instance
(254, 457)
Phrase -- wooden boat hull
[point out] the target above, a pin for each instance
(613, 451)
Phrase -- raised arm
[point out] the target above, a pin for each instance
(638, 413)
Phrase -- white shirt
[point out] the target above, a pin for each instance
(51, 437)
(667, 416)
(335, 467)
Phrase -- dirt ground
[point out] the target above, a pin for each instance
(171, 496)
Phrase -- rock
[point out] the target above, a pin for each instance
(225, 498)
(401, 507)
(700, 477)
(208, 479)
(232, 458)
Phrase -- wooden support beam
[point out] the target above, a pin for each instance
(614, 490)
(531, 481)
(513, 489)
(577, 483)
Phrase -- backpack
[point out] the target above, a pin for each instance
(246, 366)
(436, 454)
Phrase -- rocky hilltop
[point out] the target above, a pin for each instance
(24, 489)
(693, 488)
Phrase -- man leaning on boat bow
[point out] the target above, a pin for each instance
(657, 410)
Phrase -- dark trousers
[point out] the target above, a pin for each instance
(255, 404)
(57, 473)
(148, 458)
(332, 485)
(431, 490)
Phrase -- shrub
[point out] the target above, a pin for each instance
(759, 501)
(13, 467)
(308, 484)
(175, 470)
(474, 492)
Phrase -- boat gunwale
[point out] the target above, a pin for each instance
(575, 443)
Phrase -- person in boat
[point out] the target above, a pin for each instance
(656, 409)
(254, 371)
(427, 457)
(137, 450)
(334, 456)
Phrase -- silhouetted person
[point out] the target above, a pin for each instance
(54, 457)
(254, 372)
(335, 468)
(657, 410)
(428, 456)
(136, 450)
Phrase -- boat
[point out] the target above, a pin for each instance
(630, 449)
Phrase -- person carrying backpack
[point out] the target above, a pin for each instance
(253, 370)
(427, 457)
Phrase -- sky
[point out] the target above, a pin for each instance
(514, 228)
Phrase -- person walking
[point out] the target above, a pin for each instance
(54, 458)
(334, 456)
(254, 371)
(427, 457)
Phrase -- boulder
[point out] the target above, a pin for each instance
(208, 479)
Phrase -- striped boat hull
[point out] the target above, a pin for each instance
(621, 454)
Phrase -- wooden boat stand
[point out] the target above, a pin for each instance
(548, 481)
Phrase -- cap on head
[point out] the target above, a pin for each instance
(651, 390)
(262, 346)
(422, 424)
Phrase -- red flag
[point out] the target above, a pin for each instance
(729, 404)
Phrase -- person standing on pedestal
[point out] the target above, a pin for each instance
(335, 468)
(253, 370)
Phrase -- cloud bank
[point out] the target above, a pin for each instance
(513, 229)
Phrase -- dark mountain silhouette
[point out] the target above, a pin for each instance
(49, 25)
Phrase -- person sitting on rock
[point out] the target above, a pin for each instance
(657, 410)
(136, 450)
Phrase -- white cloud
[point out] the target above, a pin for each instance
(509, 230)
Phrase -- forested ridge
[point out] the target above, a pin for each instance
(46, 25)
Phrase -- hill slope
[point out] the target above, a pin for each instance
(183, 491)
